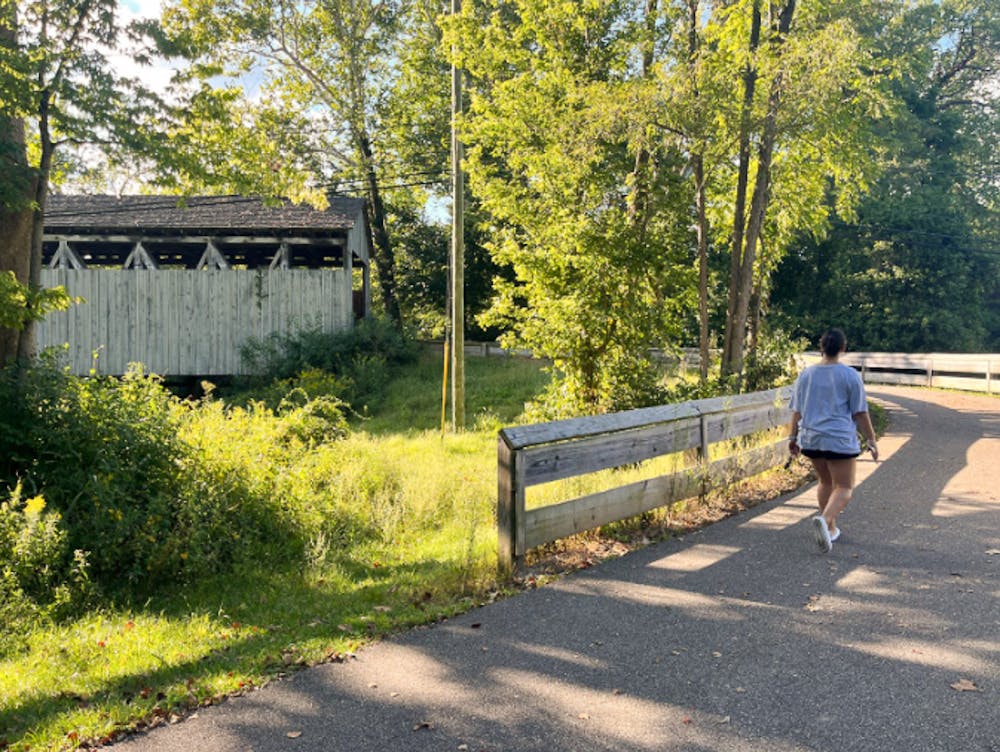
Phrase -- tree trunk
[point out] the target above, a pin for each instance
(731, 354)
(701, 229)
(701, 216)
(744, 258)
(27, 342)
(638, 202)
(16, 219)
(385, 256)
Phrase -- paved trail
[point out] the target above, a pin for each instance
(741, 637)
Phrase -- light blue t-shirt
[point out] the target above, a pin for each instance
(827, 397)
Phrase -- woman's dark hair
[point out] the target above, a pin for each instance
(833, 342)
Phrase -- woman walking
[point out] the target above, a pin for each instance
(829, 407)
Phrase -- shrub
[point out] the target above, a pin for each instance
(156, 489)
(772, 362)
(105, 453)
(39, 576)
(361, 358)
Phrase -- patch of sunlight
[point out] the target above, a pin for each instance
(785, 515)
(582, 709)
(861, 580)
(559, 654)
(958, 506)
(420, 680)
(933, 654)
(693, 604)
(695, 558)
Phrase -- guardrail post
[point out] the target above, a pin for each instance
(510, 509)
(930, 372)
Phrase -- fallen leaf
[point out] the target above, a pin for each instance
(423, 725)
(965, 685)
(993, 552)
(293, 734)
(687, 721)
(383, 609)
(584, 716)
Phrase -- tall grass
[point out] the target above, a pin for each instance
(292, 539)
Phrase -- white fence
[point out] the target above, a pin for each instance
(975, 372)
(187, 322)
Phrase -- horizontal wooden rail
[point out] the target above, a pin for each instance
(975, 372)
(544, 452)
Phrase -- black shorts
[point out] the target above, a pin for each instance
(822, 454)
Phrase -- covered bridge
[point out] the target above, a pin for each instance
(181, 284)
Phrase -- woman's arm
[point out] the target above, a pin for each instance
(793, 433)
(864, 423)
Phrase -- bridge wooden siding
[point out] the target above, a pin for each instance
(185, 321)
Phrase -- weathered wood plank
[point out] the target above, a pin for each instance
(730, 425)
(567, 518)
(551, 462)
(506, 505)
(575, 428)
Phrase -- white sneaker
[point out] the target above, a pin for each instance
(822, 534)
(835, 535)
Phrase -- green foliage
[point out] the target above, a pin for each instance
(912, 270)
(772, 362)
(359, 360)
(57, 74)
(597, 253)
(153, 488)
(105, 454)
(19, 304)
(39, 576)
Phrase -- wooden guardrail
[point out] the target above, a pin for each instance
(544, 452)
(976, 372)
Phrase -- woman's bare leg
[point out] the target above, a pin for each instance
(825, 478)
(842, 475)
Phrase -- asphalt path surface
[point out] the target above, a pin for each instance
(739, 637)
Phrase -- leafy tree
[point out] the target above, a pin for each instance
(794, 131)
(585, 208)
(916, 270)
(325, 70)
(57, 87)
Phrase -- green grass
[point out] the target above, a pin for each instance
(496, 390)
(424, 547)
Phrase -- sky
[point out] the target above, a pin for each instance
(157, 77)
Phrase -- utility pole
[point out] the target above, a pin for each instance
(457, 250)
